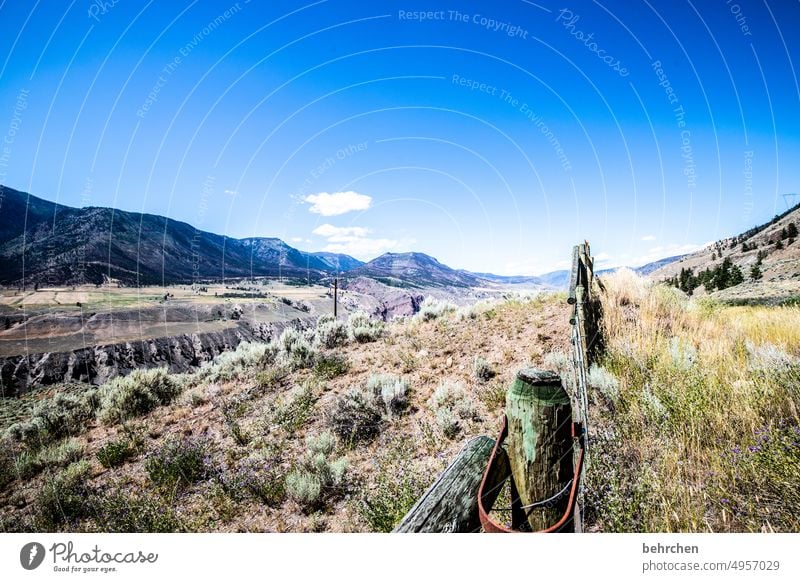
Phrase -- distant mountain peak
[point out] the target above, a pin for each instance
(415, 269)
(338, 261)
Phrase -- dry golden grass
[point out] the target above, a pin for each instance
(704, 434)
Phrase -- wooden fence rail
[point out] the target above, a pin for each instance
(451, 503)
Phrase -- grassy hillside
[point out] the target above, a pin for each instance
(696, 424)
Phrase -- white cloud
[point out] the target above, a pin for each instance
(362, 248)
(337, 203)
(526, 268)
(329, 231)
(604, 260)
(354, 241)
(648, 237)
(296, 239)
(601, 258)
(662, 252)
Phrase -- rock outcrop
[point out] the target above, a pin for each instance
(97, 364)
(389, 302)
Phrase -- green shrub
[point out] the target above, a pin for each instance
(390, 392)
(304, 487)
(605, 382)
(331, 333)
(140, 392)
(7, 462)
(26, 465)
(364, 329)
(325, 318)
(453, 406)
(359, 318)
(294, 350)
(288, 338)
(231, 411)
(329, 366)
(395, 487)
(453, 395)
(30, 463)
(54, 418)
(355, 417)
(317, 477)
(179, 463)
(433, 309)
(448, 422)
(367, 334)
(245, 360)
(294, 410)
(271, 378)
(302, 355)
(117, 452)
(64, 498)
(195, 398)
(123, 512)
(493, 395)
(482, 370)
(257, 477)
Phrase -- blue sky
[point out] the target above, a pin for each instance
(492, 136)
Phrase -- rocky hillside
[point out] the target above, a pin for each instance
(338, 261)
(98, 364)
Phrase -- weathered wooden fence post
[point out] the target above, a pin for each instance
(336, 297)
(539, 416)
(586, 343)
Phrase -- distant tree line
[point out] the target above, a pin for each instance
(727, 274)
(788, 234)
(716, 278)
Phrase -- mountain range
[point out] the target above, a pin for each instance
(51, 244)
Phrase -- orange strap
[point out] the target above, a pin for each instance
(491, 526)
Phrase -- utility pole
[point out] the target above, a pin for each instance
(335, 297)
